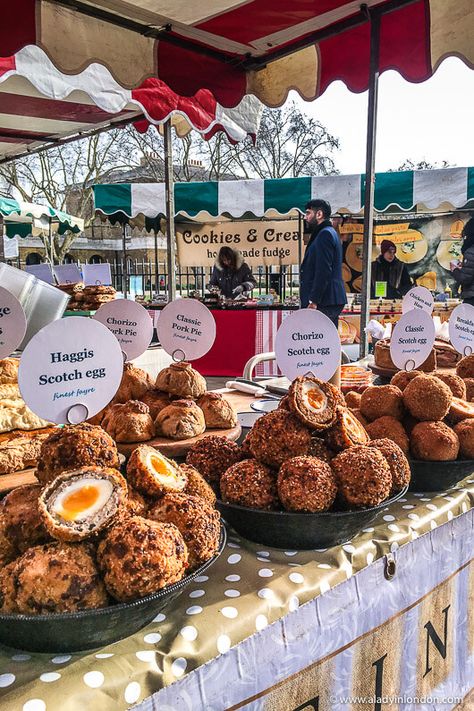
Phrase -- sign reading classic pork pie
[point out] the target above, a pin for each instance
(259, 242)
(412, 339)
(186, 329)
(12, 323)
(70, 370)
(308, 342)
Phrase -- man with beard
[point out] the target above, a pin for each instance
(321, 284)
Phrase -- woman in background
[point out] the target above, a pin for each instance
(231, 274)
(388, 268)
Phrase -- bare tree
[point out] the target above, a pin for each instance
(409, 164)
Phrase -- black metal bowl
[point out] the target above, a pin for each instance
(90, 629)
(438, 476)
(301, 531)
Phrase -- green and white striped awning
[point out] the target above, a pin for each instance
(450, 188)
(25, 218)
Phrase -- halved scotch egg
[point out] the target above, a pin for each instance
(78, 504)
(346, 432)
(153, 474)
(460, 410)
(313, 401)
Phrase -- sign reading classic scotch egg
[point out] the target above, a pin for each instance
(12, 323)
(70, 370)
(412, 339)
(418, 298)
(186, 329)
(461, 329)
(130, 323)
(308, 342)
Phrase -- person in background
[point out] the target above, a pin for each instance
(321, 284)
(231, 274)
(464, 273)
(387, 267)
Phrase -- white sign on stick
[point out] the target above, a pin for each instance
(461, 329)
(70, 370)
(308, 342)
(41, 271)
(418, 298)
(12, 323)
(67, 273)
(130, 323)
(96, 274)
(412, 339)
(186, 329)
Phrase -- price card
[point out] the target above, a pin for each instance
(461, 329)
(130, 323)
(186, 329)
(41, 271)
(418, 298)
(308, 342)
(96, 274)
(381, 289)
(67, 274)
(12, 323)
(412, 339)
(70, 370)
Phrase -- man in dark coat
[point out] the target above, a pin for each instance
(388, 268)
(321, 284)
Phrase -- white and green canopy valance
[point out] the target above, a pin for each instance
(25, 218)
(450, 188)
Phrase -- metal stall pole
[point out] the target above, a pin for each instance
(169, 191)
(2, 245)
(157, 278)
(374, 18)
(124, 261)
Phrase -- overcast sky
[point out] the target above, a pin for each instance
(432, 121)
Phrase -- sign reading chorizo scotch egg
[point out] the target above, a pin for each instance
(12, 323)
(461, 329)
(130, 323)
(418, 298)
(308, 342)
(186, 329)
(70, 370)
(412, 339)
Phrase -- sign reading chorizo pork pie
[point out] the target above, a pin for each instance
(259, 242)
(412, 339)
(418, 298)
(461, 329)
(12, 323)
(70, 370)
(130, 323)
(307, 342)
(186, 329)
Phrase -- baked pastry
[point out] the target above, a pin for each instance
(460, 410)
(134, 384)
(182, 380)
(9, 371)
(10, 391)
(23, 525)
(218, 412)
(57, 577)
(313, 401)
(306, 484)
(363, 476)
(390, 428)
(469, 383)
(153, 474)
(198, 522)
(446, 355)
(434, 441)
(352, 399)
(99, 289)
(397, 462)
(427, 398)
(346, 431)
(465, 433)
(212, 455)
(8, 552)
(138, 557)
(182, 419)
(319, 449)
(19, 453)
(465, 367)
(249, 483)
(129, 422)
(15, 415)
(403, 377)
(7, 589)
(156, 401)
(196, 485)
(454, 383)
(79, 504)
(383, 359)
(26, 434)
(278, 436)
(380, 401)
(75, 446)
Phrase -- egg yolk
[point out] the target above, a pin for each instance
(160, 466)
(315, 397)
(79, 501)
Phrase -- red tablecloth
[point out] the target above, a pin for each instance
(234, 344)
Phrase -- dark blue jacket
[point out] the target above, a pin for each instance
(321, 270)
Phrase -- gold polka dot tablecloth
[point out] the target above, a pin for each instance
(247, 588)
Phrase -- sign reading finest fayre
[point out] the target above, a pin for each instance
(418, 298)
(12, 323)
(260, 242)
(307, 342)
(412, 339)
(70, 370)
(461, 329)
(130, 323)
(186, 329)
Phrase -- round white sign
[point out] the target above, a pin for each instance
(186, 329)
(418, 298)
(130, 323)
(308, 342)
(412, 339)
(12, 323)
(461, 329)
(70, 370)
